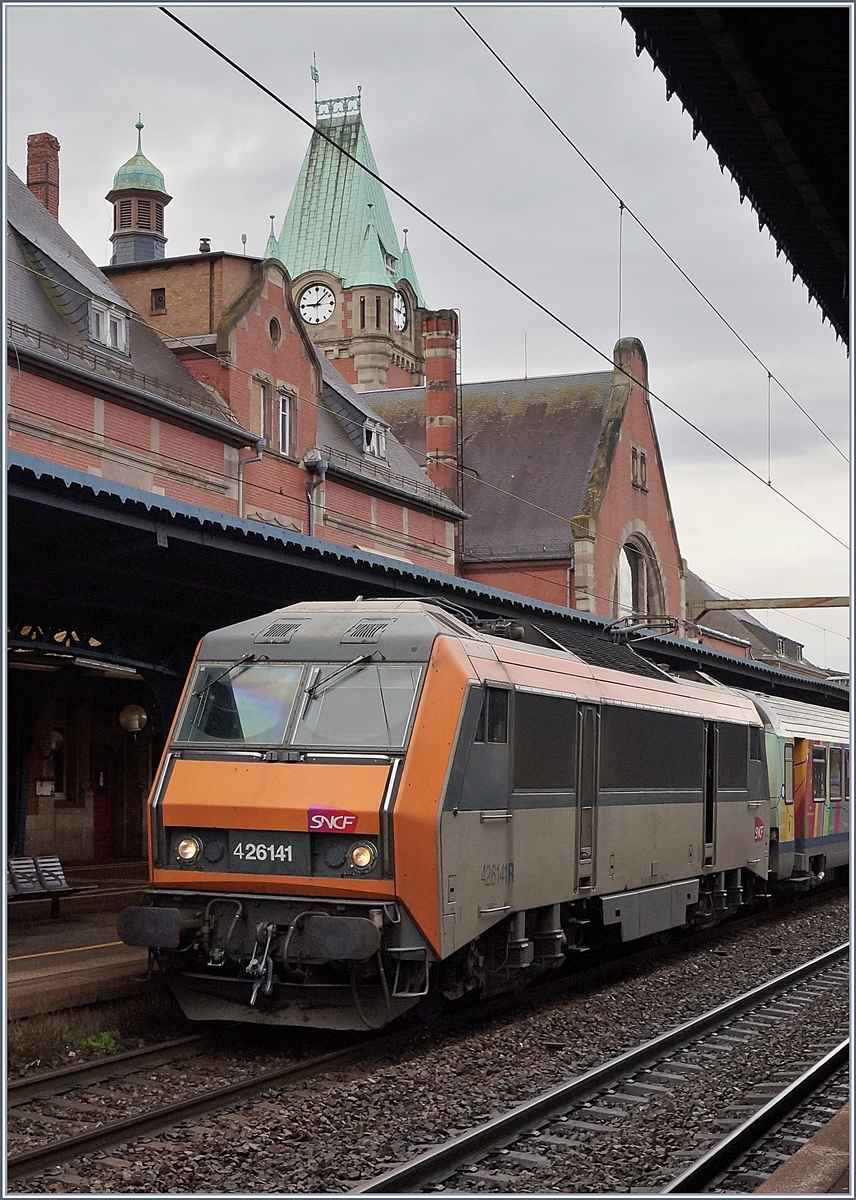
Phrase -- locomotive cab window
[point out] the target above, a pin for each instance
(244, 702)
(493, 717)
(357, 705)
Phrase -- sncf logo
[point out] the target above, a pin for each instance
(331, 820)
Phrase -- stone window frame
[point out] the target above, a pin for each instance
(639, 467)
(648, 597)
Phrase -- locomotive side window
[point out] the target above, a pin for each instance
(835, 773)
(493, 718)
(732, 756)
(544, 742)
(642, 749)
(818, 773)
(756, 743)
(247, 703)
(368, 706)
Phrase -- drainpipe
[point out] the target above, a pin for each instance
(242, 462)
(317, 466)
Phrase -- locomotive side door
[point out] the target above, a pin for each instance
(711, 758)
(588, 757)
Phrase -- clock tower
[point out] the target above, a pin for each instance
(355, 286)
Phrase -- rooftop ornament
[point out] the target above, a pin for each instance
(345, 106)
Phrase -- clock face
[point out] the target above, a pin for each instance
(317, 304)
(399, 311)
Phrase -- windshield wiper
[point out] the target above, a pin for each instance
(248, 658)
(314, 689)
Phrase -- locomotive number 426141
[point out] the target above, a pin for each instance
(494, 873)
(259, 852)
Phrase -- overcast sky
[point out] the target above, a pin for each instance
(454, 133)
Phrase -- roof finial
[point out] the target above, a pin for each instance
(405, 239)
(139, 128)
(272, 232)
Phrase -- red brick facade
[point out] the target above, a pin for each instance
(233, 323)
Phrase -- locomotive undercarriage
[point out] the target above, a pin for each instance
(284, 960)
(359, 964)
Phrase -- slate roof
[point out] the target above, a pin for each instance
(50, 282)
(340, 429)
(535, 438)
(338, 219)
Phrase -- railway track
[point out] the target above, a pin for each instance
(750, 1154)
(158, 1118)
(533, 1135)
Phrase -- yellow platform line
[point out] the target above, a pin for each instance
(71, 950)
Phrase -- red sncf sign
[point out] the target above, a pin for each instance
(331, 820)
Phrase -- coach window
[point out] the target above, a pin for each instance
(789, 773)
(493, 718)
(835, 773)
(818, 773)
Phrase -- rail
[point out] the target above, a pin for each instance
(444, 1160)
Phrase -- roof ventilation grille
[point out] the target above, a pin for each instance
(280, 632)
(367, 631)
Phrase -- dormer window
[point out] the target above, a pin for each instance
(374, 439)
(108, 326)
(390, 263)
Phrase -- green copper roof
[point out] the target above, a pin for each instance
(338, 219)
(408, 271)
(138, 172)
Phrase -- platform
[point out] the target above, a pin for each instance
(78, 959)
(820, 1167)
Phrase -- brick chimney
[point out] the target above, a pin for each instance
(440, 343)
(43, 170)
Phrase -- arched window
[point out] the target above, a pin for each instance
(638, 588)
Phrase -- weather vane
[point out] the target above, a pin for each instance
(313, 71)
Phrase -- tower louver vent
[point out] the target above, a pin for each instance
(367, 631)
(280, 632)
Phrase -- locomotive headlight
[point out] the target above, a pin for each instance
(362, 856)
(188, 848)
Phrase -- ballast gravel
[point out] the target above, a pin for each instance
(335, 1130)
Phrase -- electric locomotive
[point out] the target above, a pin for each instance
(365, 803)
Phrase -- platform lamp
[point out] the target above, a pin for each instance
(133, 718)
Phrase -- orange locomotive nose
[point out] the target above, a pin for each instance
(259, 820)
(318, 797)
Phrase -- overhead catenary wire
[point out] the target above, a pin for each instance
(647, 232)
(497, 272)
